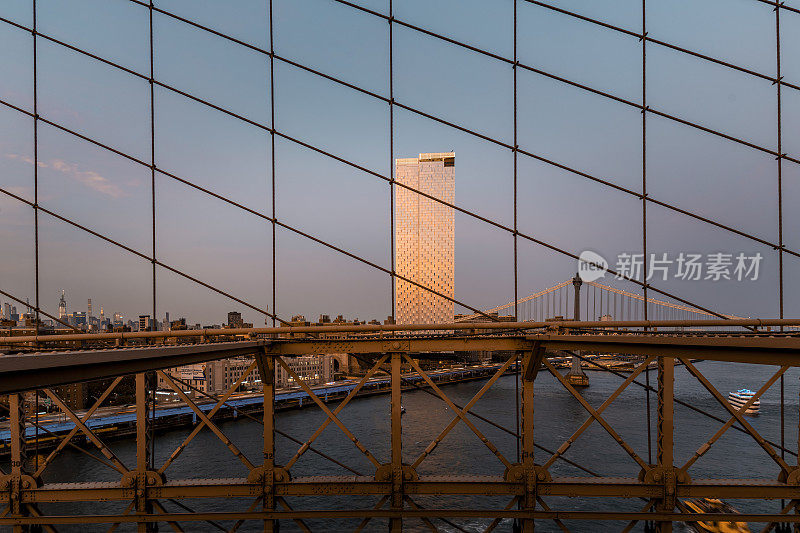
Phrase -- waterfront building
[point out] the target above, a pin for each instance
(425, 239)
(313, 369)
(218, 376)
(222, 374)
(195, 375)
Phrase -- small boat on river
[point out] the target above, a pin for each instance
(742, 396)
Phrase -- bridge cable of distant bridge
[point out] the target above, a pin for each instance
(598, 302)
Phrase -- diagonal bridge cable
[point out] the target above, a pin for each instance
(356, 166)
(647, 38)
(644, 109)
(411, 109)
(391, 101)
(299, 232)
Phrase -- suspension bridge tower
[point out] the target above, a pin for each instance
(576, 375)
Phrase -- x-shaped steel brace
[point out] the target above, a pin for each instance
(739, 417)
(625, 446)
(462, 413)
(105, 450)
(213, 427)
(306, 445)
(174, 455)
(86, 416)
(328, 412)
(705, 447)
(571, 440)
(465, 410)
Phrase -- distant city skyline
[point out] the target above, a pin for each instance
(72, 316)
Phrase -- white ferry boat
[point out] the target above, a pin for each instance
(740, 397)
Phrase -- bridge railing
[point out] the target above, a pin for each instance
(391, 329)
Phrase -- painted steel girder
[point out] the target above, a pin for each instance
(20, 373)
(605, 487)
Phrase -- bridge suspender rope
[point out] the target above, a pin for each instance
(613, 302)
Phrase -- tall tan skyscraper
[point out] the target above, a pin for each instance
(425, 238)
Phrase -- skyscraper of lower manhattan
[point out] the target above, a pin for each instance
(425, 239)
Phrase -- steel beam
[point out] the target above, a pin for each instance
(48, 369)
(590, 487)
(664, 438)
(20, 373)
(531, 360)
(266, 370)
(388, 329)
(139, 483)
(407, 513)
(447, 343)
(755, 349)
(19, 458)
(396, 443)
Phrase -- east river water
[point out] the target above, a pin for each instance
(557, 415)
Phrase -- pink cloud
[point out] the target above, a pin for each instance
(25, 159)
(89, 178)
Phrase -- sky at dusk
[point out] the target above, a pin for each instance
(230, 248)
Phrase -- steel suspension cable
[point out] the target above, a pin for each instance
(403, 106)
(272, 162)
(779, 142)
(340, 159)
(299, 232)
(561, 79)
(150, 378)
(645, 37)
(392, 252)
(37, 316)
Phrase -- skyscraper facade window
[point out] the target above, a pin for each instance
(425, 239)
